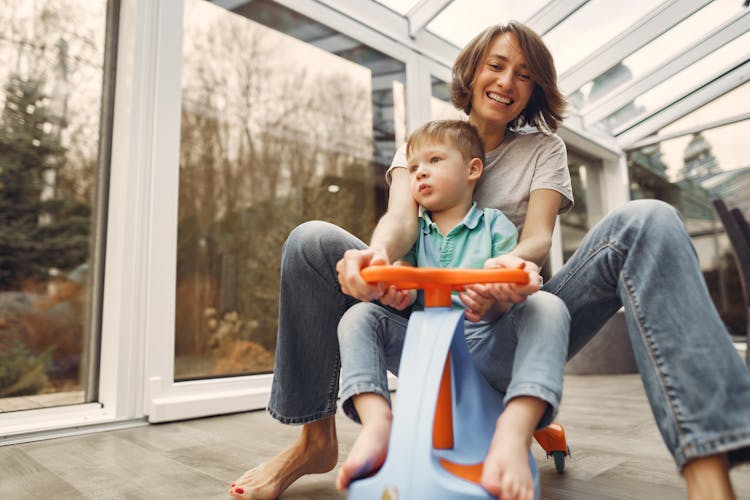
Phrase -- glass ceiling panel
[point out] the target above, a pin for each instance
(681, 84)
(720, 142)
(461, 20)
(400, 6)
(728, 105)
(663, 48)
(592, 26)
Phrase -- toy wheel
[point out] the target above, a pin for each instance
(559, 457)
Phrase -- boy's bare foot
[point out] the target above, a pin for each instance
(367, 454)
(314, 452)
(506, 472)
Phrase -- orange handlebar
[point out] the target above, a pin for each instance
(437, 282)
(407, 277)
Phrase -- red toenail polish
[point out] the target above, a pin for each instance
(239, 490)
(231, 485)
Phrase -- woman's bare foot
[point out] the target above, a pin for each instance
(314, 452)
(708, 478)
(368, 452)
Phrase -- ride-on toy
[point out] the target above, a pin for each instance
(446, 411)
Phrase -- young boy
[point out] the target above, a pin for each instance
(520, 349)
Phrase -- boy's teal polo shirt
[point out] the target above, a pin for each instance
(482, 234)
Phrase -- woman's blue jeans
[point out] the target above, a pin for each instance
(522, 353)
(638, 257)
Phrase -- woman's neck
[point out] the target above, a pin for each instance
(492, 134)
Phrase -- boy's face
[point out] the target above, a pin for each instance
(440, 177)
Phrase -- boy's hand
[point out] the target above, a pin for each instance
(509, 292)
(350, 279)
(479, 302)
(398, 299)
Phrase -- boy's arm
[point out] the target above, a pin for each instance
(478, 300)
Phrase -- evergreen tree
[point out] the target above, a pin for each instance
(39, 228)
(699, 160)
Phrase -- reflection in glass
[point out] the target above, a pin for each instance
(689, 180)
(441, 107)
(462, 20)
(590, 27)
(681, 84)
(274, 132)
(650, 56)
(51, 70)
(729, 105)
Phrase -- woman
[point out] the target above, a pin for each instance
(638, 257)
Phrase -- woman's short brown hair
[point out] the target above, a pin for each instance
(546, 105)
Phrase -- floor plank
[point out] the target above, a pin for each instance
(616, 454)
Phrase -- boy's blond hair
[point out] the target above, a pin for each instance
(460, 134)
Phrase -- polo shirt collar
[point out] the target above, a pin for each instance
(472, 218)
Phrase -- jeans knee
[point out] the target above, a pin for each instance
(549, 306)
(308, 233)
(358, 319)
(650, 214)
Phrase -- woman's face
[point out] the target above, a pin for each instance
(502, 84)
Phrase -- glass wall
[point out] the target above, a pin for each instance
(587, 192)
(691, 162)
(283, 121)
(51, 79)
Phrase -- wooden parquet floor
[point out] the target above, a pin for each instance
(616, 448)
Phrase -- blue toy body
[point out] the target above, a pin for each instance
(412, 470)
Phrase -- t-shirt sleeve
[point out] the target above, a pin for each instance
(504, 234)
(399, 161)
(552, 171)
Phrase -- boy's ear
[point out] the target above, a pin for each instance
(475, 168)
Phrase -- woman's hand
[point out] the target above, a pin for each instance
(350, 279)
(509, 292)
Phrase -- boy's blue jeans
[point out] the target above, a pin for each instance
(522, 353)
(638, 257)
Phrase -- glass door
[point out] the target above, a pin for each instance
(53, 171)
(282, 120)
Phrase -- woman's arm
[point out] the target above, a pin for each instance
(396, 231)
(532, 248)
(536, 237)
(393, 236)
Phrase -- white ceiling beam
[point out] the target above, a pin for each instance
(611, 102)
(423, 13)
(618, 48)
(377, 26)
(335, 43)
(552, 14)
(680, 108)
(655, 139)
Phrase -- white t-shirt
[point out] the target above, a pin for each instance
(523, 162)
